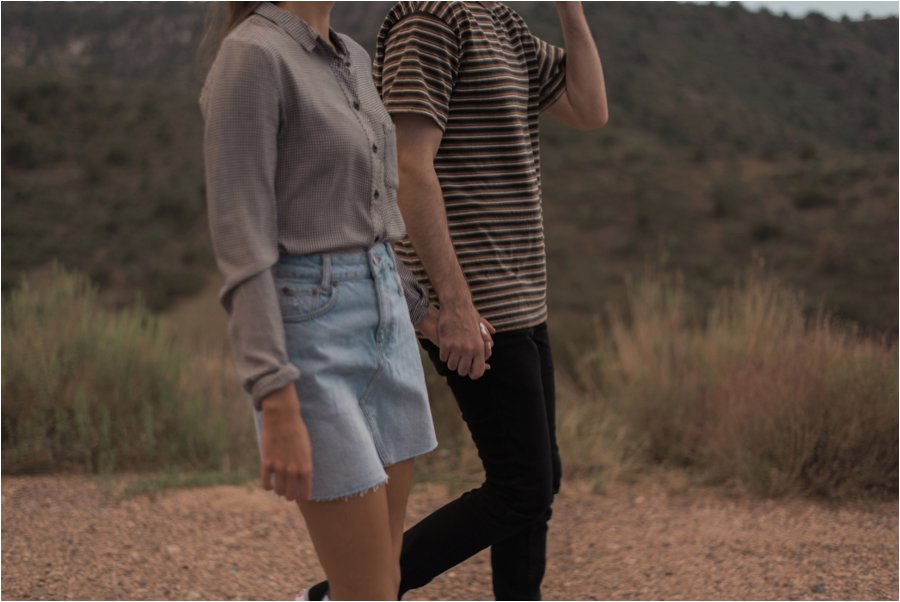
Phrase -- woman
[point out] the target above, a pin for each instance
(302, 181)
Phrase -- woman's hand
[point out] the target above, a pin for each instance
(286, 464)
(486, 331)
(428, 325)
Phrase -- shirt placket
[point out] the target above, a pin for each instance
(342, 69)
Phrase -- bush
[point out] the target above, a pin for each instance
(728, 197)
(806, 200)
(757, 393)
(765, 230)
(87, 389)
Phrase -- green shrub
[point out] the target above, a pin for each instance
(84, 388)
(757, 393)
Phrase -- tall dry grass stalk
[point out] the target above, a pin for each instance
(90, 389)
(757, 392)
(751, 391)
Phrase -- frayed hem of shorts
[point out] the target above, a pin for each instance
(411, 456)
(353, 494)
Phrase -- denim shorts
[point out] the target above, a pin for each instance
(361, 387)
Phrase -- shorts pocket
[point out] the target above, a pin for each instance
(301, 301)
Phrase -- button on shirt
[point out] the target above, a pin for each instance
(300, 158)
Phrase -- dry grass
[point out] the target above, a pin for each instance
(749, 391)
(89, 389)
(753, 392)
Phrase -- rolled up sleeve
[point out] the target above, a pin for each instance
(416, 299)
(241, 107)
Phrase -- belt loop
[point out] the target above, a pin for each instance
(326, 270)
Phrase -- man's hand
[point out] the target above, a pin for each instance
(286, 464)
(428, 327)
(461, 342)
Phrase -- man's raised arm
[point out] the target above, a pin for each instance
(583, 104)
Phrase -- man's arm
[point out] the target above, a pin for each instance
(583, 104)
(422, 205)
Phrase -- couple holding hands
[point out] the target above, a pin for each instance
(352, 205)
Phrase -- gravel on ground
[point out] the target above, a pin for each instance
(71, 537)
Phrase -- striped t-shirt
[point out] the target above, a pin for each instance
(481, 75)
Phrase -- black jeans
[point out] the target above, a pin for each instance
(510, 413)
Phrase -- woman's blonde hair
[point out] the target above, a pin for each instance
(221, 19)
(238, 13)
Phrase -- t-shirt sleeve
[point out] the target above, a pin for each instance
(550, 71)
(421, 57)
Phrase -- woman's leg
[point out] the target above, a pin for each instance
(399, 482)
(400, 479)
(354, 542)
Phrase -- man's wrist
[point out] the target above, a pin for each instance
(458, 301)
(570, 8)
(571, 15)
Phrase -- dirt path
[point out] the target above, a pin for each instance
(65, 538)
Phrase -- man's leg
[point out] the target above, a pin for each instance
(518, 562)
(506, 414)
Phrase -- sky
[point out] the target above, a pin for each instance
(832, 10)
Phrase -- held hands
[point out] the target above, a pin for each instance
(286, 463)
(464, 338)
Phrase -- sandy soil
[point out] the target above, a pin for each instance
(69, 538)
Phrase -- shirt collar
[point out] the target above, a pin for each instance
(297, 28)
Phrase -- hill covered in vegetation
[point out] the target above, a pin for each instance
(735, 138)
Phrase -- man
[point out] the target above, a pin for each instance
(464, 83)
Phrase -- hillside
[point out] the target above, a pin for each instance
(692, 74)
(734, 137)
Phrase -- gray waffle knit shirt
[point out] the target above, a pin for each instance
(300, 158)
